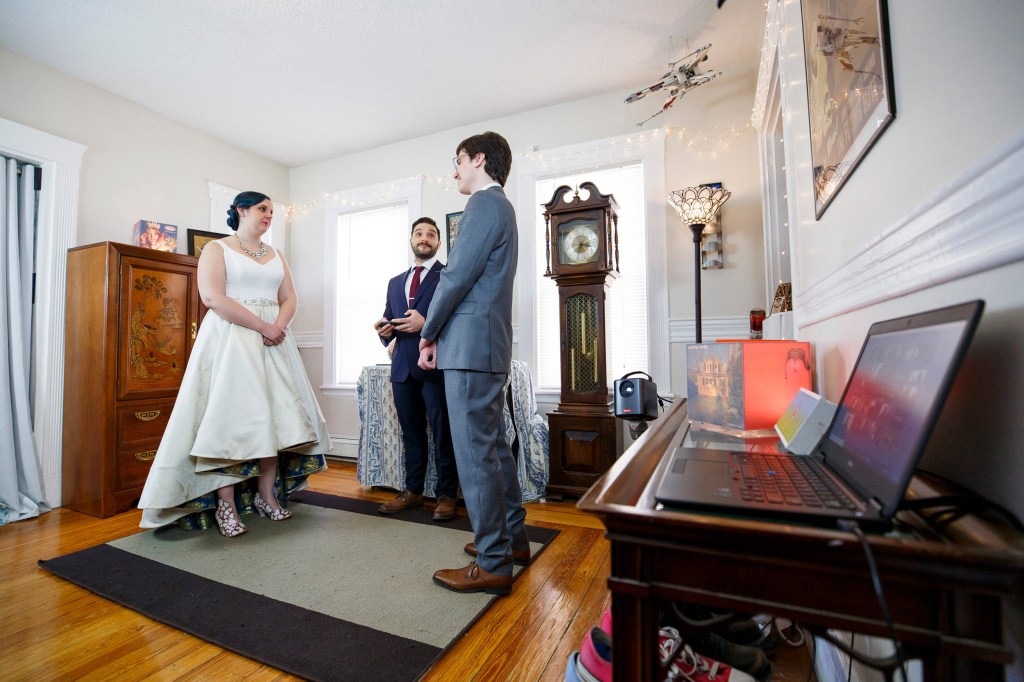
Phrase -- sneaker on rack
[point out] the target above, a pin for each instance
(750, 660)
(570, 670)
(596, 657)
(744, 631)
(685, 664)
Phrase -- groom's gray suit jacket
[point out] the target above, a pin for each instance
(471, 313)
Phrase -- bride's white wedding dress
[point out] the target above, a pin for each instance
(239, 401)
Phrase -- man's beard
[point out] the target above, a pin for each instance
(430, 252)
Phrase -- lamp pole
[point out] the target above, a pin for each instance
(698, 230)
(696, 207)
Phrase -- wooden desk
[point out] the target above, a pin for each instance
(949, 595)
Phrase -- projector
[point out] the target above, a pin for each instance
(636, 399)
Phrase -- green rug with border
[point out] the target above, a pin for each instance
(338, 592)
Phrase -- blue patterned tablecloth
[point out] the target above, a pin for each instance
(381, 458)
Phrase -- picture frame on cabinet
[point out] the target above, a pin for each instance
(197, 239)
(849, 87)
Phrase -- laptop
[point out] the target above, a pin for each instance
(870, 449)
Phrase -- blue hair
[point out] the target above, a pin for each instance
(243, 200)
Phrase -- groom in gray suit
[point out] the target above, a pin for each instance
(468, 334)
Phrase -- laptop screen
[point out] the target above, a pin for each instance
(892, 400)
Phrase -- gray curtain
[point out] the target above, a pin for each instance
(21, 483)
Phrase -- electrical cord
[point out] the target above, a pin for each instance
(876, 582)
(960, 505)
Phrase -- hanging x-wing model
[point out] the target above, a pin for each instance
(682, 77)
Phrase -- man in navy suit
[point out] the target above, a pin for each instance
(419, 394)
(468, 334)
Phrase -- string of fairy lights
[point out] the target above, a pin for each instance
(710, 143)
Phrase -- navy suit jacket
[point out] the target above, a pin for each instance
(406, 355)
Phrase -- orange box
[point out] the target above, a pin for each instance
(745, 385)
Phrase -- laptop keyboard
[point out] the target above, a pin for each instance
(788, 480)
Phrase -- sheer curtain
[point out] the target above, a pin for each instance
(21, 486)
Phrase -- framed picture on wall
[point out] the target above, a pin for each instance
(451, 221)
(849, 87)
(197, 239)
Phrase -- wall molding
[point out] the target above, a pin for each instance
(711, 328)
(344, 447)
(309, 339)
(969, 226)
(316, 339)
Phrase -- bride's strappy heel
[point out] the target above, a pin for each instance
(265, 509)
(227, 521)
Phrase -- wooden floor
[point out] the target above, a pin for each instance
(53, 630)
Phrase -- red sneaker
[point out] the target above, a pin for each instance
(606, 622)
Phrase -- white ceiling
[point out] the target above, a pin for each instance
(298, 81)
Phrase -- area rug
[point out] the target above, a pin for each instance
(338, 592)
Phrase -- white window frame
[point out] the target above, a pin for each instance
(221, 197)
(649, 149)
(335, 205)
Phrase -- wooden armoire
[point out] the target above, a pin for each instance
(131, 319)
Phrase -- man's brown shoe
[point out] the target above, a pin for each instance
(519, 558)
(407, 500)
(444, 510)
(472, 578)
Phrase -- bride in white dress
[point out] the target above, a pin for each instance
(246, 429)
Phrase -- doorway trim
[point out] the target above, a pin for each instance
(57, 226)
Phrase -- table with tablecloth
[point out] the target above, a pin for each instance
(381, 456)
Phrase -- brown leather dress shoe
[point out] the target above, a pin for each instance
(472, 578)
(444, 510)
(519, 558)
(406, 500)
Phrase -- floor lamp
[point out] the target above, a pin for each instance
(697, 206)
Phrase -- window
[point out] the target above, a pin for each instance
(626, 311)
(367, 243)
(633, 169)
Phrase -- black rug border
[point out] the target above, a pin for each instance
(290, 638)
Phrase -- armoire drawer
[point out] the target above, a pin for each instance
(133, 465)
(139, 423)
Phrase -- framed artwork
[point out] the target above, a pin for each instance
(849, 87)
(783, 301)
(197, 239)
(451, 221)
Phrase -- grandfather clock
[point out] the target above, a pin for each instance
(582, 244)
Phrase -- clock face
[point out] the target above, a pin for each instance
(578, 242)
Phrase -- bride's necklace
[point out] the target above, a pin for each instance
(258, 254)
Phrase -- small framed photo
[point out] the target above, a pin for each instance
(783, 301)
(197, 239)
(451, 221)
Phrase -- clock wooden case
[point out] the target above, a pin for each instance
(581, 239)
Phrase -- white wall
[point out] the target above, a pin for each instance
(957, 82)
(138, 165)
(730, 292)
